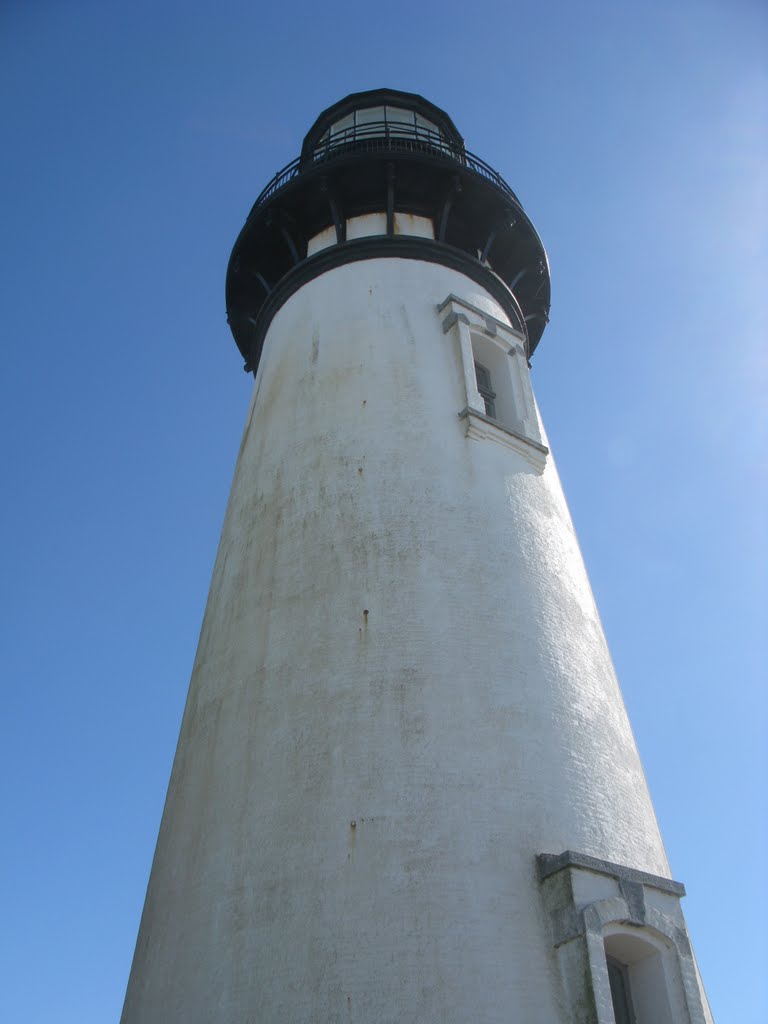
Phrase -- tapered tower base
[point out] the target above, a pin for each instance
(406, 789)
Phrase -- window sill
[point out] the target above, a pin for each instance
(483, 428)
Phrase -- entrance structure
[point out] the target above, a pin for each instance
(406, 789)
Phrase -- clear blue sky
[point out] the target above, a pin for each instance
(135, 138)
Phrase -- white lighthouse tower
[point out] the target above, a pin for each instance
(406, 789)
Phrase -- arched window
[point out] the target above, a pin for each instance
(644, 976)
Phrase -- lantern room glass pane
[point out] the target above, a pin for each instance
(370, 115)
(400, 122)
(426, 129)
(367, 122)
(343, 129)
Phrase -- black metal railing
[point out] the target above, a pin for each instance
(384, 136)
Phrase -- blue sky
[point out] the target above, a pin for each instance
(136, 138)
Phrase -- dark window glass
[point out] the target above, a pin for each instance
(487, 393)
(622, 1008)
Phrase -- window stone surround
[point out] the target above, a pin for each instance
(462, 321)
(589, 900)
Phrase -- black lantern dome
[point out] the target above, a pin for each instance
(386, 152)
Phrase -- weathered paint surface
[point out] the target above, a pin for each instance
(402, 694)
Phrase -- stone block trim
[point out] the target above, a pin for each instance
(593, 902)
(550, 863)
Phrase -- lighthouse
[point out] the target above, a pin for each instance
(406, 788)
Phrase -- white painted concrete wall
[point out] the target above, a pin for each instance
(402, 694)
